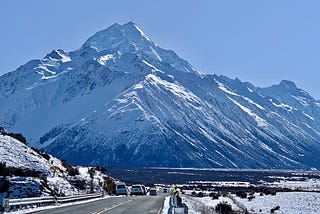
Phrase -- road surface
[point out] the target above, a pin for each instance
(114, 205)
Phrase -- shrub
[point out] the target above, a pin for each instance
(200, 194)
(72, 171)
(91, 172)
(223, 208)
(43, 154)
(79, 184)
(5, 184)
(109, 185)
(3, 168)
(274, 209)
(241, 194)
(18, 137)
(267, 191)
(251, 197)
(214, 195)
(102, 169)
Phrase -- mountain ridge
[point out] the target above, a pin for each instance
(121, 100)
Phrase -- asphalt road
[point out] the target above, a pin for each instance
(114, 205)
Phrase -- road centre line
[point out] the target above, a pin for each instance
(114, 206)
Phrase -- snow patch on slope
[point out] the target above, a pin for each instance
(260, 122)
(225, 89)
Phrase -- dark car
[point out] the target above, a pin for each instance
(153, 192)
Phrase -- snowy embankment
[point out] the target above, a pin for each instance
(16, 154)
(205, 204)
(289, 202)
(26, 172)
(166, 206)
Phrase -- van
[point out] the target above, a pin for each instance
(121, 189)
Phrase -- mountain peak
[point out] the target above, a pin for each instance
(126, 37)
(288, 84)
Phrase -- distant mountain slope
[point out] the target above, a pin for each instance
(121, 100)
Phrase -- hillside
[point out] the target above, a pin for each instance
(25, 172)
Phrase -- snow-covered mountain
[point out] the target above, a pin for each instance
(121, 100)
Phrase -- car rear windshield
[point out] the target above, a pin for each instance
(121, 186)
(136, 187)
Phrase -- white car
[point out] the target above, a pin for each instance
(137, 189)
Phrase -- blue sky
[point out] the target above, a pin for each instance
(260, 41)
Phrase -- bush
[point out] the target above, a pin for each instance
(241, 194)
(43, 154)
(267, 191)
(72, 171)
(251, 197)
(102, 169)
(91, 172)
(200, 195)
(5, 184)
(214, 195)
(109, 185)
(18, 137)
(274, 209)
(3, 168)
(223, 208)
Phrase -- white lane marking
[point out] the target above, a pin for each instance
(114, 206)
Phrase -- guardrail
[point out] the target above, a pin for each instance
(24, 203)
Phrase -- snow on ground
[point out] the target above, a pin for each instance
(166, 205)
(205, 204)
(289, 202)
(309, 184)
(16, 154)
(62, 186)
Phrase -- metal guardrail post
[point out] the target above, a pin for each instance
(5, 205)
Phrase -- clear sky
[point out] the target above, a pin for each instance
(259, 41)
